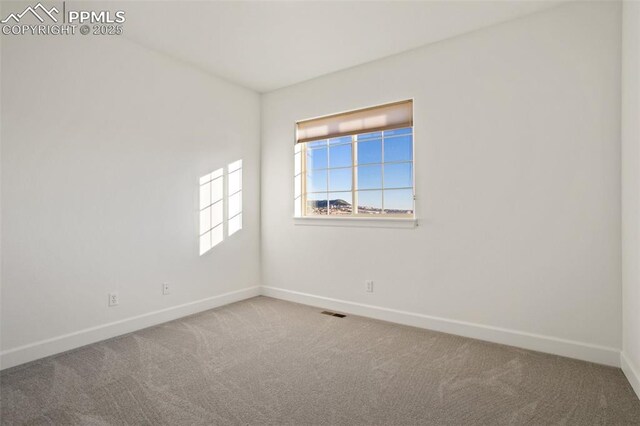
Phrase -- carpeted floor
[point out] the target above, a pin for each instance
(266, 361)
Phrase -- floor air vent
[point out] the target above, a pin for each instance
(333, 314)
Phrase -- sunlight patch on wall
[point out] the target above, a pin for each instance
(211, 210)
(234, 197)
(217, 189)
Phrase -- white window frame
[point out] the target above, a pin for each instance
(353, 219)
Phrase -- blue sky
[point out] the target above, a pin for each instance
(396, 146)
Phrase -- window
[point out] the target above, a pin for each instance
(234, 197)
(366, 173)
(211, 210)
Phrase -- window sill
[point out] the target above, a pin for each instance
(357, 222)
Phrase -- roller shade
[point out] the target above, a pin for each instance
(383, 117)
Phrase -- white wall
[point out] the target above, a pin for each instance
(103, 142)
(517, 179)
(631, 193)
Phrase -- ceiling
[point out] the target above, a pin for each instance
(266, 45)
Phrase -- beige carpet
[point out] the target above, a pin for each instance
(265, 361)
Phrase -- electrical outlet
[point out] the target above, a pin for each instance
(113, 299)
(165, 289)
(369, 286)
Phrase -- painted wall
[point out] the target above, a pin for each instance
(517, 180)
(631, 192)
(103, 143)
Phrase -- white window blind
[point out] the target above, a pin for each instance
(384, 117)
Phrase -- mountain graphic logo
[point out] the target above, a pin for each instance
(38, 11)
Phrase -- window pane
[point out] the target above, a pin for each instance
(398, 201)
(369, 202)
(340, 203)
(235, 204)
(396, 132)
(216, 235)
(316, 144)
(317, 204)
(367, 136)
(340, 179)
(383, 178)
(216, 214)
(398, 175)
(205, 195)
(235, 224)
(316, 181)
(235, 181)
(370, 151)
(216, 190)
(398, 149)
(205, 220)
(317, 158)
(340, 156)
(369, 177)
(340, 140)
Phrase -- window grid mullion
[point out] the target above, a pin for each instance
(364, 164)
(382, 171)
(354, 176)
(303, 172)
(365, 190)
(328, 180)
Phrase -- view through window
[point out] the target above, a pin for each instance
(357, 175)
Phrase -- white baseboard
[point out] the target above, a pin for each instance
(632, 372)
(44, 348)
(548, 344)
(569, 348)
